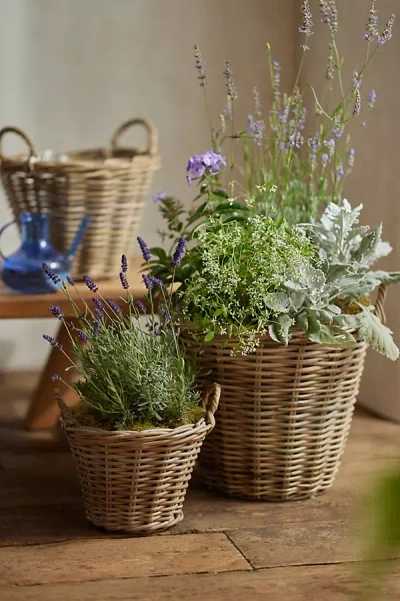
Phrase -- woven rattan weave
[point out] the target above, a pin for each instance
(284, 414)
(136, 481)
(108, 184)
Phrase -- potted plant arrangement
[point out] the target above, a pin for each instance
(275, 288)
(139, 425)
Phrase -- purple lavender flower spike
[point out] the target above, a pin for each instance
(146, 254)
(179, 252)
(159, 196)
(70, 280)
(387, 32)
(90, 284)
(200, 65)
(167, 315)
(256, 129)
(140, 306)
(99, 313)
(357, 105)
(230, 85)
(324, 159)
(340, 172)
(156, 282)
(55, 309)
(351, 157)
(156, 330)
(124, 264)
(148, 282)
(98, 303)
(52, 341)
(306, 19)
(116, 308)
(50, 274)
(124, 281)
(371, 99)
(82, 335)
(371, 28)
(55, 377)
(96, 328)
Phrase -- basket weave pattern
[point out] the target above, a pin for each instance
(108, 184)
(136, 481)
(284, 416)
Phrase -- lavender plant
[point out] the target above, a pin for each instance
(132, 377)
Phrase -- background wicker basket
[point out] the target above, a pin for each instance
(109, 184)
(136, 481)
(284, 415)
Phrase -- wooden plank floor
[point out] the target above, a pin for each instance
(223, 550)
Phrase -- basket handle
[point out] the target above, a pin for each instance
(19, 132)
(152, 142)
(380, 302)
(210, 401)
(65, 410)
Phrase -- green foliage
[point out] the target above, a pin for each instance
(245, 266)
(131, 376)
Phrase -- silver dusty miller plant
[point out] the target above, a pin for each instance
(337, 302)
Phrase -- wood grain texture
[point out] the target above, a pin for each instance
(305, 583)
(74, 561)
(18, 306)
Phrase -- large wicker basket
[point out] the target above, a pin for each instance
(136, 481)
(284, 415)
(108, 184)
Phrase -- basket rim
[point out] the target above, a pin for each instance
(78, 160)
(151, 433)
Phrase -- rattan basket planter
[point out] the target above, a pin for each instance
(284, 416)
(108, 184)
(136, 481)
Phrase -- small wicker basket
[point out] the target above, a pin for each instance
(108, 184)
(136, 481)
(284, 415)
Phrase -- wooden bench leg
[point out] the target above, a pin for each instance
(43, 411)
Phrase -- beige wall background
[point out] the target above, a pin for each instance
(71, 70)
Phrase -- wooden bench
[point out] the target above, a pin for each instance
(43, 411)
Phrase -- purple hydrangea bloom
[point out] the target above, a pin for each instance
(124, 264)
(124, 281)
(159, 196)
(90, 284)
(208, 163)
(55, 377)
(50, 273)
(146, 254)
(52, 341)
(55, 309)
(179, 252)
(116, 308)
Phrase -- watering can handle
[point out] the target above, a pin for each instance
(1, 232)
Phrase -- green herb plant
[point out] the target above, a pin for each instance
(132, 376)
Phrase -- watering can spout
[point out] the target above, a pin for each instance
(78, 238)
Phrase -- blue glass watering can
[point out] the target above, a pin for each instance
(23, 271)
